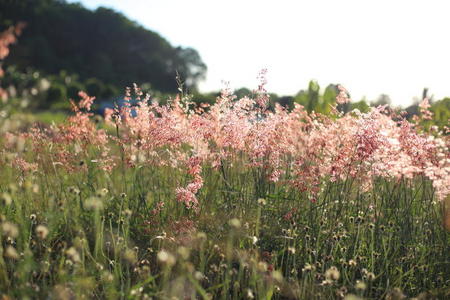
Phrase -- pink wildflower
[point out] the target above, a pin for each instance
(342, 96)
(424, 109)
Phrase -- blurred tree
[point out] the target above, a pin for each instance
(328, 98)
(313, 95)
(361, 105)
(109, 92)
(286, 101)
(190, 66)
(310, 98)
(100, 44)
(57, 93)
(441, 112)
(94, 87)
(73, 88)
(206, 98)
(383, 99)
(243, 92)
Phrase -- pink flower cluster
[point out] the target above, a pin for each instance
(424, 109)
(290, 147)
(342, 96)
(72, 144)
(294, 148)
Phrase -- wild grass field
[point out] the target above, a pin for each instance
(229, 201)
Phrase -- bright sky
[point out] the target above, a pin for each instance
(370, 47)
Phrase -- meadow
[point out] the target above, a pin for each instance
(225, 201)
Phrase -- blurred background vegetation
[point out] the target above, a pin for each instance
(66, 48)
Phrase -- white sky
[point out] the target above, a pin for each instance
(371, 47)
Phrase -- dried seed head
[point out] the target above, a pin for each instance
(130, 256)
(183, 252)
(262, 266)
(235, 223)
(332, 274)
(41, 232)
(308, 267)
(107, 277)
(73, 255)
(166, 258)
(319, 277)
(6, 199)
(10, 229)
(103, 192)
(360, 285)
(352, 263)
(11, 253)
(144, 262)
(343, 290)
(326, 282)
(202, 236)
(278, 276)
(74, 190)
(370, 276)
(395, 294)
(9, 241)
(94, 203)
(262, 201)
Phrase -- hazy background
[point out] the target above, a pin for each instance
(383, 52)
(372, 47)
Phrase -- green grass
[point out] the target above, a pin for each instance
(85, 233)
(113, 244)
(49, 117)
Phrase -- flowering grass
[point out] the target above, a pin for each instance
(227, 201)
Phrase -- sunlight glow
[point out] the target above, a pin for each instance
(371, 47)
